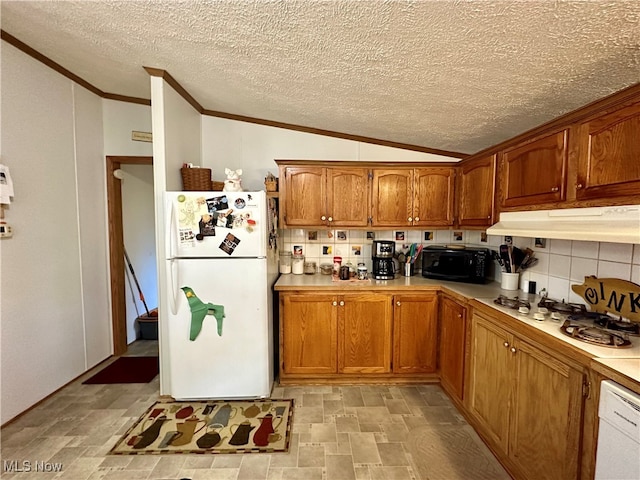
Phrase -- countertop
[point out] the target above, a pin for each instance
(415, 282)
(625, 361)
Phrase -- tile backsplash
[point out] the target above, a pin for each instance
(561, 263)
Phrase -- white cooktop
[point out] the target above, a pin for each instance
(552, 327)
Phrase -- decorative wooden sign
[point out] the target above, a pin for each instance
(612, 296)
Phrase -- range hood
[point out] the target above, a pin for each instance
(620, 224)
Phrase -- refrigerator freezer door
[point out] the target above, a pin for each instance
(237, 363)
(216, 224)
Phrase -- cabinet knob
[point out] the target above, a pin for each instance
(513, 349)
(330, 219)
(323, 218)
(506, 344)
(409, 219)
(334, 304)
(417, 219)
(341, 303)
(459, 315)
(579, 185)
(488, 217)
(398, 303)
(555, 189)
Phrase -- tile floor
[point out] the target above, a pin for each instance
(339, 433)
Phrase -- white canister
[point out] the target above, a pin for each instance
(297, 265)
(509, 281)
(285, 262)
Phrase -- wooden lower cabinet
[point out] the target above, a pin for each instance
(358, 335)
(364, 333)
(527, 403)
(453, 336)
(309, 332)
(414, 333)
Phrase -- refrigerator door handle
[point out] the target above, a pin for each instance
(173, 286)
(171, 231)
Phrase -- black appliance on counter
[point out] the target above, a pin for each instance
(456, 263)
(382, 253)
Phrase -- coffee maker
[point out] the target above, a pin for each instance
(382, 253)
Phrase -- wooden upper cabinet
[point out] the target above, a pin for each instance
(534, 172)
(347, 197)
(609, 155)
(413, 197)
(392, 197)
(476, 190)
(433, 200)
(305, 196)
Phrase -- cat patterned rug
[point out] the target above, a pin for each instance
(235, 426)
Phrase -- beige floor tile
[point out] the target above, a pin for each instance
(392, 454)
(364, 448)
(254, 467)
(393, 473)
(311, 473)
(368, 432)
(311, 456)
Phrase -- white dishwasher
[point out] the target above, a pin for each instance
(618, 455)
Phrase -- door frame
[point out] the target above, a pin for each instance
(116, 248)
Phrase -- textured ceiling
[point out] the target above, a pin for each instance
(450, 74)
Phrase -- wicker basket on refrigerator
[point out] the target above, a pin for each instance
(194, 179)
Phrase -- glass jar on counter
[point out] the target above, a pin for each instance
(297, 264)
(285, 262)
(362, 271)
(326, 268)
(310, 268)
(337, 263)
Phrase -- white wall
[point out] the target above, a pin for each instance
(120, 119)
(54, 306)
(176, 140)
(138, 224)
(252, 147)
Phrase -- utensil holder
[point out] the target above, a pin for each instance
(509, 281)
(407, 269)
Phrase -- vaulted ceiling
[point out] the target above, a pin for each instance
(449, 74)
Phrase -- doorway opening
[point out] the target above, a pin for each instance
(116, 247)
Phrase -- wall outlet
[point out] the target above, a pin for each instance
(5, 231)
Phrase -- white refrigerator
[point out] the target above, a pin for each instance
(220, 268)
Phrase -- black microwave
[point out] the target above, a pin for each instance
(470, 265)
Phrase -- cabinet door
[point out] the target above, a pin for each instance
(476, 192)
(348, 197)
(546, 415)
(309, 328)
(609, 153)
(415, 333)
(535, 172)
(305, 195)
(490, 379)
(453, 330)
(391, 199)
(364, 334)
(433, 199)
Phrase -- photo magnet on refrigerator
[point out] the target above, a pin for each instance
(229, 243)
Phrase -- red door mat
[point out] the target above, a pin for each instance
(127, 370)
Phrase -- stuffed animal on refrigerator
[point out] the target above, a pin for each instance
(233, 183)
